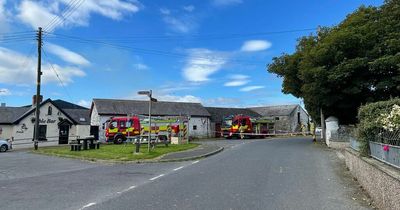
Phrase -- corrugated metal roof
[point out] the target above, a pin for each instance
(219, 113)
(280, 110)
(160, 108)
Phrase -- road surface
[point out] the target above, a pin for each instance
(263, 174)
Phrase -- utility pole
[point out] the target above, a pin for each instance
(148, 141)
(323, 125)
(39, 74)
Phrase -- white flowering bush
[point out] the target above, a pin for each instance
(391, 121)
(375, 117)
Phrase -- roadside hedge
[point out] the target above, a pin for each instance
(369, 125)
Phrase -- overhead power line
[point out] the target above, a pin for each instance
(148, 51)
(16, 37)
(71, 7)
(195, 36)
(58, 77)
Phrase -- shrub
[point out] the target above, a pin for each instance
(373, 117)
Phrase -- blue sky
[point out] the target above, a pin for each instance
(210, 51)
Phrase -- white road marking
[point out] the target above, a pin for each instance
(178, 168)
(154, 178)
(196, 161)
(126, 190)
(88, 205)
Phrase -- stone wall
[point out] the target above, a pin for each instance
(381, 181)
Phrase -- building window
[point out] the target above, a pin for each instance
(276, 118)
(194, 127)
(42, 132)
(49, 111)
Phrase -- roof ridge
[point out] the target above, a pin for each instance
(108, 99)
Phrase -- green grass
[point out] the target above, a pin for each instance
(115, 152)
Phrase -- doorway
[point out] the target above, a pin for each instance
(63, 134)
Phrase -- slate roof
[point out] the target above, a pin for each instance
(80, 116)
(219, 113)
(160, 108)
(10, 114)
(280, 110)
(67, 105)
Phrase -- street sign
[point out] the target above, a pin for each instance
(144, 92)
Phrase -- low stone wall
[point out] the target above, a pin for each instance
(338, 145)
(381, 181)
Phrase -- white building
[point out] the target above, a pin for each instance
(60, 122)
(103, 109)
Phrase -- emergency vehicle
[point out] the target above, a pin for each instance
(226, 126)
(120, 129)
(251, 127)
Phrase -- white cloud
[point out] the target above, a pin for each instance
(85, 103)
(174, 98)
(18, 69)
(165, 11)
(251, 88)
(222, 102)
(188, 8)
(226, 2)
(202, 63)
(4, 14)
(5, 92)
(36, 13)
(67, 55)
(255, 45)
(141, 66)
(183, 24)
(164, 96)
(237, 80)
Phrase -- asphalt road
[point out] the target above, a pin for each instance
(267, 174)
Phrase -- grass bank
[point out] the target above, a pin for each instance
(112, 152)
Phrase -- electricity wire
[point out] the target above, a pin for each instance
(55, 72)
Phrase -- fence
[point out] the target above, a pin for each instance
(343, 134)
(28, 142)
(385, 146)
(354, 144)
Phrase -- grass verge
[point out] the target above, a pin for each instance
(112, 152)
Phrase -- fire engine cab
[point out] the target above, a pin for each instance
(250, 127)
(120, 128)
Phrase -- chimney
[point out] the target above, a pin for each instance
(34, 100)
(3, 104)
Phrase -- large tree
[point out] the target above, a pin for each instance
(344, 66)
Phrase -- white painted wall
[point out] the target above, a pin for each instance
(203, 127)
(332, 127)
(83, 131)
(6, 131)
(23, 131)
(94, 117)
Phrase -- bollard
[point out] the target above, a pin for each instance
(137, 146)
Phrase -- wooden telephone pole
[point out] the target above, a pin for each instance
(39, 74)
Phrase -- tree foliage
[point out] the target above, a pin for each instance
(345, 66)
